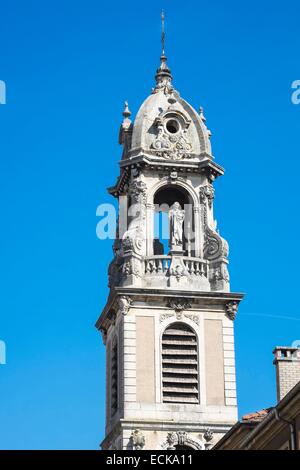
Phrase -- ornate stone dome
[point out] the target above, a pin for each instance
(167, 127)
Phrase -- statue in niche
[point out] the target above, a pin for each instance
(176, 215)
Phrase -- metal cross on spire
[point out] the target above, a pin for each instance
(163, 75)
(162, 15)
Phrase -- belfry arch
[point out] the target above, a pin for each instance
(160, 200)
(164, 200)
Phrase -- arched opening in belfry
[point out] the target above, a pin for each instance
(166, 200)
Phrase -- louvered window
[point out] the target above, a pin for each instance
(180, 365)
(114, 378)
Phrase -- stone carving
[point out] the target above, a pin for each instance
(193, 317)
(176, 215)
(215, 246)
(171, 146)
(134, 238)
(127, 244)
(124, 303)
(171, 178)
(171, 440)
(126, 268)
(232, 309)
(178, 271)
(165, 316)
(221, 274)
(137, 439)
(138, 191)
(179, 304)
(181, 438)
(208, 436)
(207, 193)
(131, 266)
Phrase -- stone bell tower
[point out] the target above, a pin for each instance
(168, 321)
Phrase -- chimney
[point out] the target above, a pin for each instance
(287, 363)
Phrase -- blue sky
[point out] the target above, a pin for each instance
(68, 67)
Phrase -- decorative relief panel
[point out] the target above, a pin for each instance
(171, 141)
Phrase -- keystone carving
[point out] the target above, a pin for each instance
(179, 304)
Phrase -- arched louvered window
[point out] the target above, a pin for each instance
(114, 377)
(180, 364)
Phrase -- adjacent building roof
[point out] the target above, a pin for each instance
(266, 429)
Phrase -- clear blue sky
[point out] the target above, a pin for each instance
(68, 66)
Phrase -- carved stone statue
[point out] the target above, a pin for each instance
(176, 215)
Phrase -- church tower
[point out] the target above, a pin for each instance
(168, 321)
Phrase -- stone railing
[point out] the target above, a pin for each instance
(157, 264)
(196, 266)
(160, 264)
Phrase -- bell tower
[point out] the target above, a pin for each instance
(168, 321)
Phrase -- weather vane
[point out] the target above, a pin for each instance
(163, 31)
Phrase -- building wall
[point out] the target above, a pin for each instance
(140, 387)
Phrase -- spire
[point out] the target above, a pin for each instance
(163, 75)
(162, 32)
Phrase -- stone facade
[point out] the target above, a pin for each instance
(168, 303)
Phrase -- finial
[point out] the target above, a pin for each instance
(126, 112)
(162, 15)
(126, 127)
(163, 75)
(201, 113)
(203, 119)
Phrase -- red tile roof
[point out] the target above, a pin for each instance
(257, 415)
